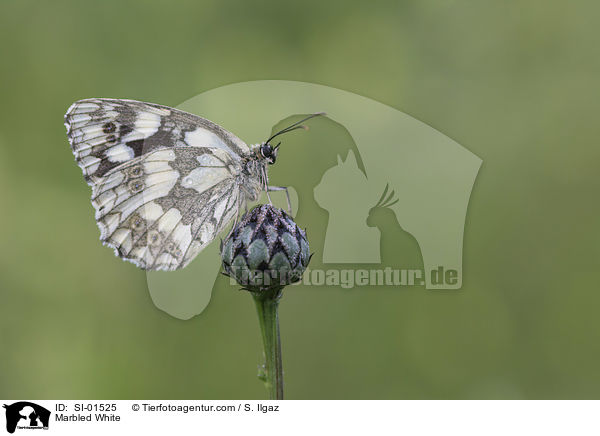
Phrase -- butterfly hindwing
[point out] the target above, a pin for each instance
(161, 209)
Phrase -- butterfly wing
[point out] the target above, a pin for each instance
(163, 181)
(104, 133)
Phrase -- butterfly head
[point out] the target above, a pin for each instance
(268, 152)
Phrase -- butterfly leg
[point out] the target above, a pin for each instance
(287, 196)
(268, 196)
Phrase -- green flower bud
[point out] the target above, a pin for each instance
(265, 250)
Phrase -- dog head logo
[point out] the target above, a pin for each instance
(24, 414)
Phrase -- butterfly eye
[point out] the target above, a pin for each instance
(268, 153)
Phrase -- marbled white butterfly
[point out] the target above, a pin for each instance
(164, 182)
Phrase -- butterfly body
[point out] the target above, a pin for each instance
(251, 178)
(164, 182)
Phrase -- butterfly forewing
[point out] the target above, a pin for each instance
(163, 181)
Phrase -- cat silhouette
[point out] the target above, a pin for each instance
(343, 192)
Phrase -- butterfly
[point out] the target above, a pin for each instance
(164, 182)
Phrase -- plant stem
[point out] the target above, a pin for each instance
(267, 303)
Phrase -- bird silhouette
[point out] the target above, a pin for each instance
(398, 248)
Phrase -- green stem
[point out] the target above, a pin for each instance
(267, 303)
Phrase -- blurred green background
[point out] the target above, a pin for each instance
(517, 84)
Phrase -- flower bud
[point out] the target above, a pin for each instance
(265, 250)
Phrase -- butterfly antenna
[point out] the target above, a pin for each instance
(295, 126)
